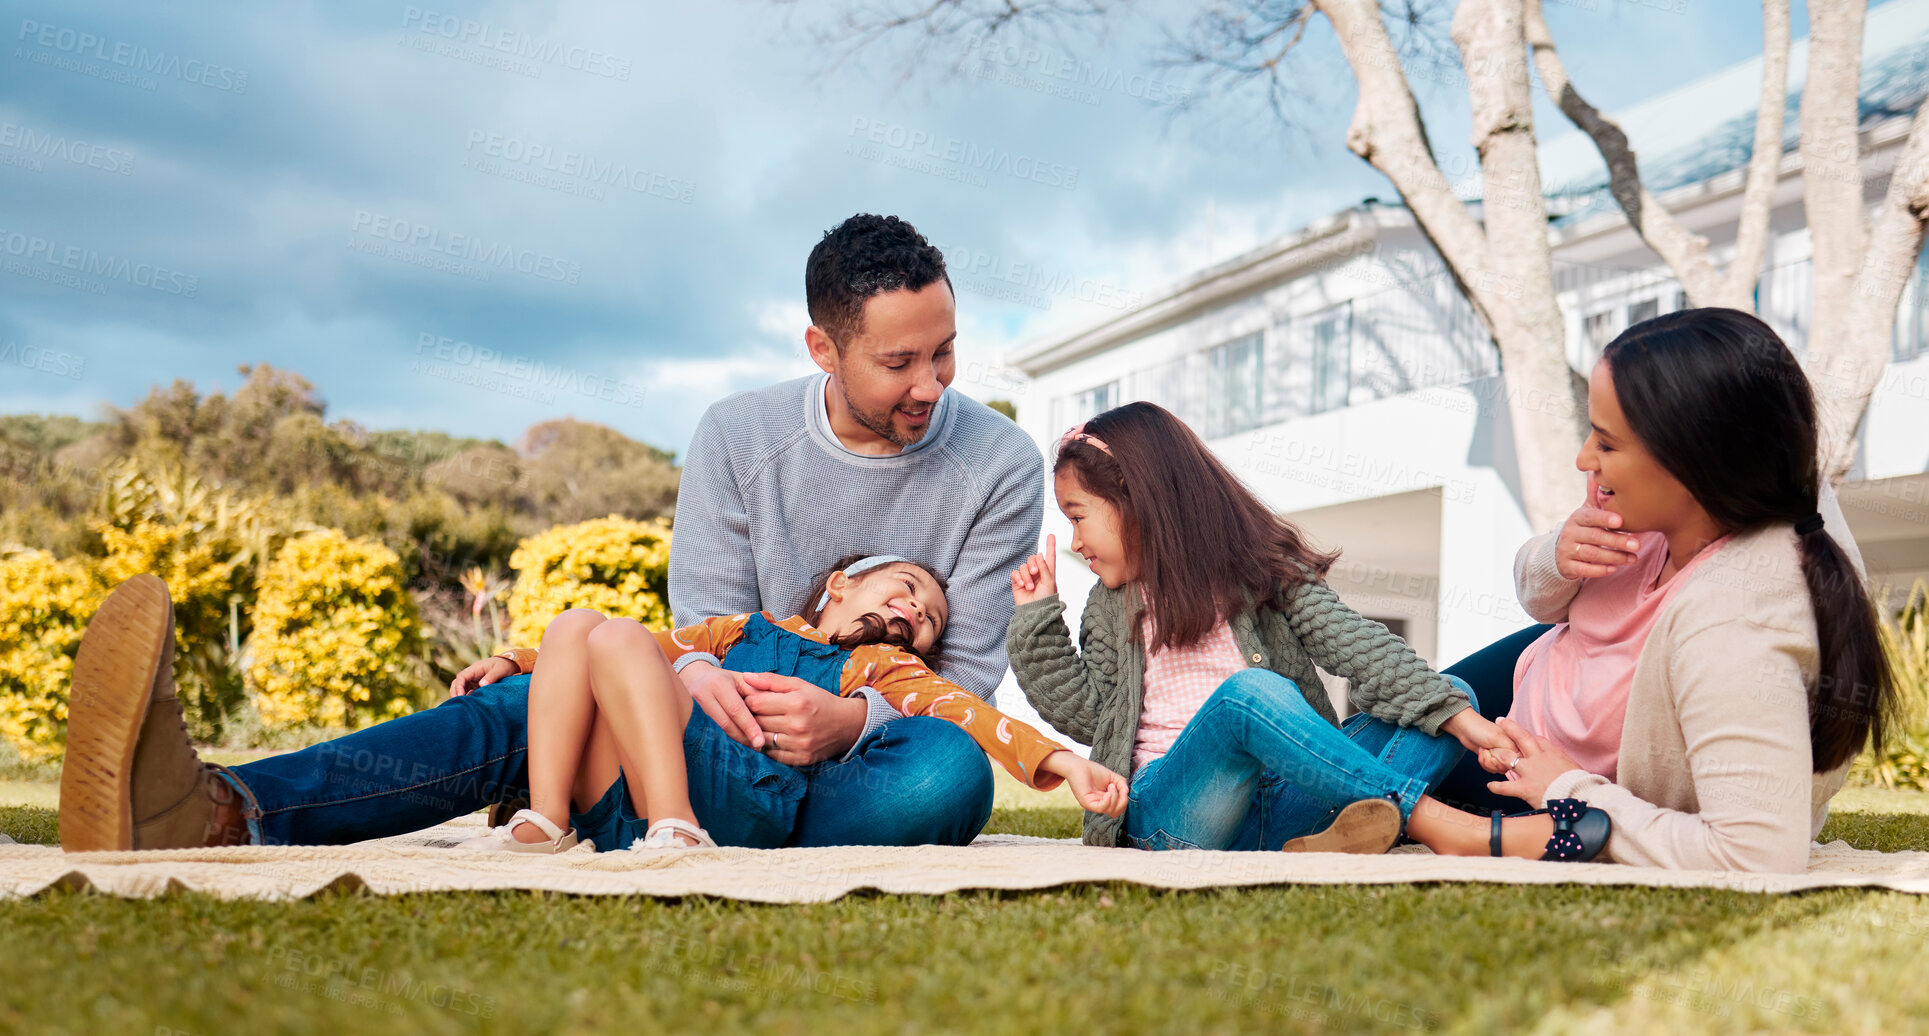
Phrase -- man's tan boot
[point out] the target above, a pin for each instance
(131, 779)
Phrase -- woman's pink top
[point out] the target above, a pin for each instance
(1178, 680)
(1571, 686)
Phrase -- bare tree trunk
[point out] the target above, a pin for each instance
(1837, 216)
(1532, 332)
(1846, 369)
(1506, 269)
(1860, 269)
(1685, 251)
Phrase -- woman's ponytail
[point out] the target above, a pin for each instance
(1853, 700)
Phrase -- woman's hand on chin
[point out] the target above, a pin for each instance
(1590, 544)
(1540, 762)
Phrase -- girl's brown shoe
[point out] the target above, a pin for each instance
(1369, 826)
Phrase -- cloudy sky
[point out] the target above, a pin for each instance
(475, 219)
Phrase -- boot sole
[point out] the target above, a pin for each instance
(1369, 827)
(120, 654)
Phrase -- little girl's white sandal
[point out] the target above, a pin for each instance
(502, 839)
(663, 835)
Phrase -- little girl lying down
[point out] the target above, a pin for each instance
(614, 738)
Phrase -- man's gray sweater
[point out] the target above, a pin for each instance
(770, 498)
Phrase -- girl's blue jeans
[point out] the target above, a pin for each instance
(1258, 766)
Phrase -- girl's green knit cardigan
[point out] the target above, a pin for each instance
(1095, 693)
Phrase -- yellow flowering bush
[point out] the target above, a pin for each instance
(335, 635)
(615, 565)
(44, 607)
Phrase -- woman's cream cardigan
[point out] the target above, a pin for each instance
(1714, 770)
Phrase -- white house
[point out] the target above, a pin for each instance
(1338, 371)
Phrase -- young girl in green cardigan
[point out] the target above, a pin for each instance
(1196, 675)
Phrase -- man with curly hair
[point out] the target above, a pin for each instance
(768, 483)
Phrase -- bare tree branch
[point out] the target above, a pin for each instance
(1389, 134)
(1221, 43)
(1764, 163)
(1685, 251)
(857, 28)
(1513, 293)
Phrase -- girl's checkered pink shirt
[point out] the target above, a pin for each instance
(1177, 683)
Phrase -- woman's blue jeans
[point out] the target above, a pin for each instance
(1257, 766)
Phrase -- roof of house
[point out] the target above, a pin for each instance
(1702, 129)
(1687, 135)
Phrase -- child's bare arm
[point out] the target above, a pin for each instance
(1096, 788)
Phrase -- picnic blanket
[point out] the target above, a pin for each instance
(427, 861)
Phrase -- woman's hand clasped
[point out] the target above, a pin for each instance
(1478, 734)
(1540, 762)
(1037, 578)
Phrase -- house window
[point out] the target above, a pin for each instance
(1094, 401)
(1912, 321)
(1080, 407)
(1166, 385)
(1599, 330)
(1646, 309)
(1232, 385)
(1332, 368)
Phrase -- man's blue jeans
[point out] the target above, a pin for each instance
(1257, 766)
(914, 781)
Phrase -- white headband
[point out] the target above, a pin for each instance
(859, 567)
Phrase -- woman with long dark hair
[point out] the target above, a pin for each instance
(1713, 664)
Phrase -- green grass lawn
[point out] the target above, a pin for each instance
(1471, 958)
